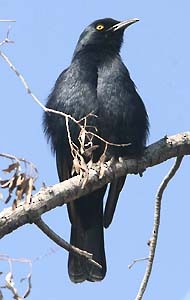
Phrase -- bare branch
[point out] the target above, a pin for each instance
(7, 20)
(61, 242)
(154, 238)
(69, 190)
(7, 60)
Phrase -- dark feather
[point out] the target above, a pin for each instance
(113, 195)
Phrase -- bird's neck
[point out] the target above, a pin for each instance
(95, 57)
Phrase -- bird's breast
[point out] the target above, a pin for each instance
(114, 88)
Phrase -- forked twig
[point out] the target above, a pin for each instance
(136, 261)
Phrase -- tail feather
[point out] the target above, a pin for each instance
(113, 195)
(76, 263)
(92, 241)
(86, 217)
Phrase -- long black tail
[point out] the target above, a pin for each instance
(86, 216)
(113, 195)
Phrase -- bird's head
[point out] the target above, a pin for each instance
(103, 34)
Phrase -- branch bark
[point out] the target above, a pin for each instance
(69, 190)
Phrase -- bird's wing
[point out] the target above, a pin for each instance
(113, 195)
(64, 167)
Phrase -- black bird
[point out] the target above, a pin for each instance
(96, 81)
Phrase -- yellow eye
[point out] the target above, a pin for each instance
(100, 27)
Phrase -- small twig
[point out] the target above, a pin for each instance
(7, 20)
(4, 257)
(72, 145)
(137, 260)
(23, 160)
(6, 40)
(29, 287)
(88, 115)
(21, 182)
(10, 284)
(10, 156)
(61, 242)
(106, 142)
(18, 159)
(22, 79)
(28, 90)
(154, 238)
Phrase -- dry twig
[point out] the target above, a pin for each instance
(22, 182)
(61, 242)
(136, 261)
(154, 238)
(6, 40)
(7, 20)
(9, 279)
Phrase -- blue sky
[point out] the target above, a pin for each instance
(156, 51)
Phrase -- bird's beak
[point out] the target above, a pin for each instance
(123, 24)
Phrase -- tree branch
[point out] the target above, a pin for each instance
(69, 190)
(154, 238)
(61, 242)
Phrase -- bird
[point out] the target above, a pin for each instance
(96, 82)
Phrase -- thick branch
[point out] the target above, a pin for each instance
(69, 190)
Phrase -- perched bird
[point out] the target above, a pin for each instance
(98, 82)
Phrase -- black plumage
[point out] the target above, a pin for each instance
(96, 81)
